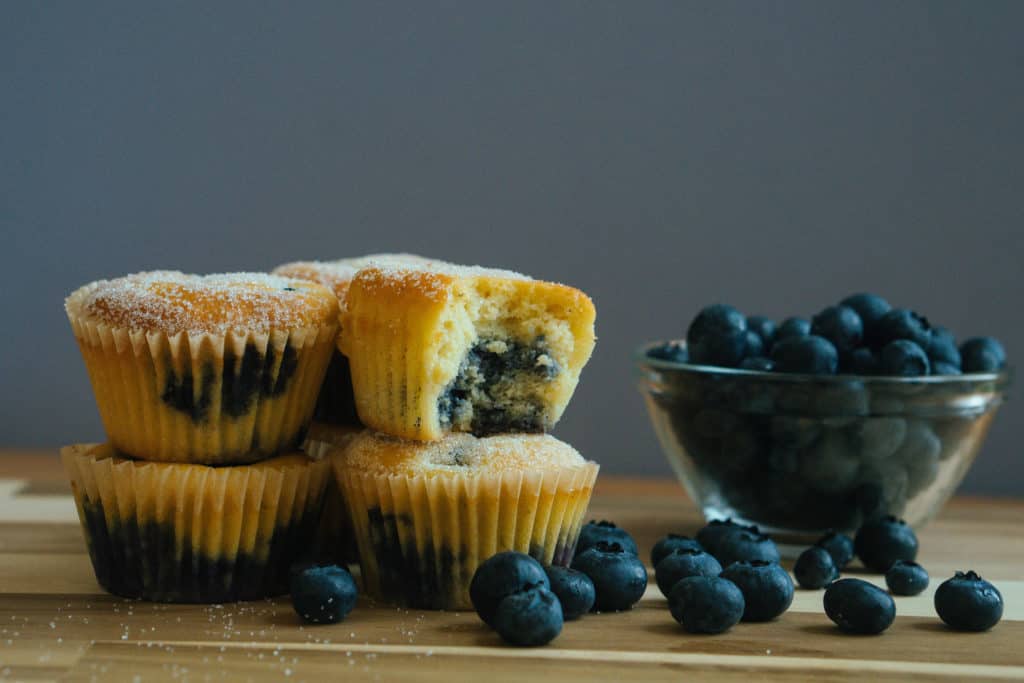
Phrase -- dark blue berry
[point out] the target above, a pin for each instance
(815, 568)
(968, 602)
(717, 336)
(903, 358)
(672, 351)
(906, 578)
(900, 323)
(574, 590)
(593, 533)
(982, 354)
(681, 563)
(764, 327)
(529, 618)
(767, 588)
(754, 345)
(706, 604)
(501, 575)
(712, 533)
(857, 606)
(840, 325)
(839, 546)
(942, 348)
(758, 363)
(882, 541)
(869, 308)
(945, 369)
(619, 577)
(322, 594)
(812, 355)
(862, 361)
(792, 327)
(745, 544)
(672, 542)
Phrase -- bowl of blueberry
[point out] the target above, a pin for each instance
(807, 425)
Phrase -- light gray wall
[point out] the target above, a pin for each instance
(659, 155)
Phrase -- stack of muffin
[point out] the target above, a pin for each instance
(206, 387)
(457, 373)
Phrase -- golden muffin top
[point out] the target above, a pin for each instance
(338, 274)
(173, 302)
(460, 454)
(101, 451)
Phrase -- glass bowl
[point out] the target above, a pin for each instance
(800, 454)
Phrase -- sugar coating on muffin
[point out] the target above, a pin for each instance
(337, 274)
(174, 302)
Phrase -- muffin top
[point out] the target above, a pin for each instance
(460, 454)
(338, 274)
(173, 302)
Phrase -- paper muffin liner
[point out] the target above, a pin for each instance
(334, 541)
(192, 533)
(213, 399)
(422, 537)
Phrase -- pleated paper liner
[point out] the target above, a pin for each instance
(172, 532)
(204, 398)
(334, 541)
(422, 537)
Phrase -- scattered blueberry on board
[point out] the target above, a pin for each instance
(857, 606)
(322, 594)
(766, 587)
(574, 590)
(839, 546)
(619, 576)
(529, 618)
(501, 575)
(681, 563)
(968, 602)
(815, 568)
(745, 544)
(594, 532)
(882, 541)
(706, 604)
(672, 542)
(715, 531)
(906, 578)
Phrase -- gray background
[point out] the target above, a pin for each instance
(659, 155)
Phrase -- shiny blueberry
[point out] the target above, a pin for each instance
(792, 327)
(672, 351)
(672, 542)
(815, 568)
(903, 358)
(840, 325)
(767, 588)
(900, 323)
(501, 575)
(681, 563)
(594, 532)
(717, 336)
(857, 606)
(882, 541)
(906, 578)
(758, 363)
(745, 544)
(529, 618)
(869, 308)
(322, 594)
(706, 604)
(982, 354)
(942, 348)
(619, 577)
(574, 590)
(839, 546)
(812, 355)
(968, 602)
(764, 327)
(711, 534)
(862, 361)
(754, 346)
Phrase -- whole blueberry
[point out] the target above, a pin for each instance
(882, 541)
(812, 355)
(717, 336)
(767, 588)
(857, 606)
(501, 575)
(672, 351)
(322, 594)
(861, 361)
(681, 563)
(792, 327)
(839, 546)
(712, 533)
(840, 325)
(671, 542)
(982, 354)
(906, 578)
(619, 577)
(574, 590)
(815, 568)
(755, 346)
(706, 604)
(764, 327)
(869, 308)
(903, 358)
(745, 544)
(529, 618)
(968, 602)
(942, 348)
(899, 323)
(593, 533)
(758, 363)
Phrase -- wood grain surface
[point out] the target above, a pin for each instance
(57, 624)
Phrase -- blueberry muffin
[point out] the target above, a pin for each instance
(426, 514)
(336, 405)
(438, 348)
(174, 532)
(334, 542)
(216, 369)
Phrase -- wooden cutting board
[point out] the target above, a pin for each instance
(56, 623)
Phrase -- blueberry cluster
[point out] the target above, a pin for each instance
(861, 335)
